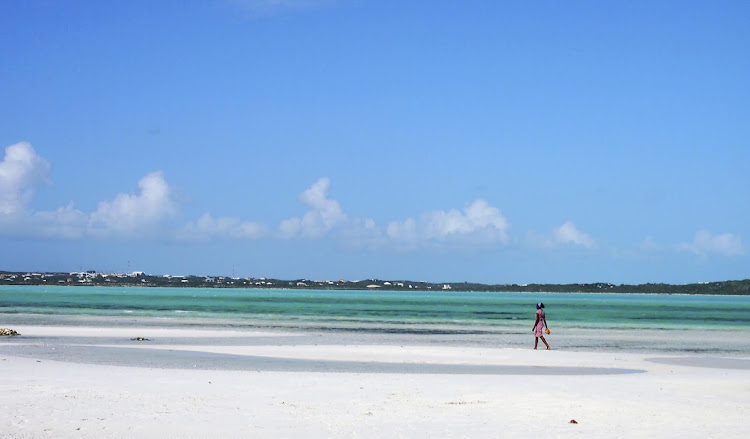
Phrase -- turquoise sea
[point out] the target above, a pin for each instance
(579, 321)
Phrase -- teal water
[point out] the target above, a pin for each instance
(391, 311)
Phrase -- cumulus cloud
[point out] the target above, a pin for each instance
(324, 214)
(65, 222)
(706, 243)
(125, 215)
(146, 210)
(403, 230)
(208, 227)
(289, 228)
(326, 211)
(129, 213)
(479, 223)
(568, 234)
(478, 216)
(20, 171)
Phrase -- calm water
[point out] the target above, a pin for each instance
(684, 325)
(389, 310)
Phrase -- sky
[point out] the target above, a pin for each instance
(485, 141)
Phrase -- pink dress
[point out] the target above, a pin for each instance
(539, 329)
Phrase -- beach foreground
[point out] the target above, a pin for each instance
(97, 382)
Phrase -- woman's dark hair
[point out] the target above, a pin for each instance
(539, 305)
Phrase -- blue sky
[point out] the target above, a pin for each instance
(498, 142)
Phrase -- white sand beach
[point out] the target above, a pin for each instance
(95, 382)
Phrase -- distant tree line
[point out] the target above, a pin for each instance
(734, 287)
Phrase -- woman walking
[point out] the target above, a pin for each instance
(540, 325)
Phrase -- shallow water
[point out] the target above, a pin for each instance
(658, 323)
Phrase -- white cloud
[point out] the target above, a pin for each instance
(360, 234)
(208, 227)
(569, 234)
(324, 215)
(706, 243)
(327, 211)
(20, 171)
(289, 228)
(565, 235)
(477, 217)
(479, 223)
(403, 230)
(129, 213)
(65, 222)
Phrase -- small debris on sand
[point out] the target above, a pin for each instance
(140, 339)
(573, 421)
(8, 331)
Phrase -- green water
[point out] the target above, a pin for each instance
(390, 310)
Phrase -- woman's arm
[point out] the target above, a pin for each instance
(535, 323)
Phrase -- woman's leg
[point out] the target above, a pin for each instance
(536, 341)
(545, 342)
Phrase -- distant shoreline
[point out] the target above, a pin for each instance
(139, 279)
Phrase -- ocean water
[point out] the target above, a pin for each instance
(684, 323)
